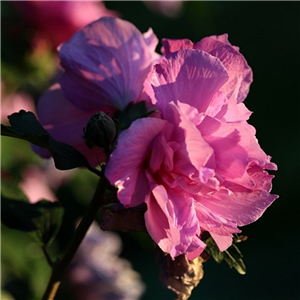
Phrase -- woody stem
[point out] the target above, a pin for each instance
(60, 267)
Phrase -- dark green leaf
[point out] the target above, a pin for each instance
(26, 126)
(232, 256)
(131, 113)
(65, 156)
(42, 219)
(48, 224)
(22, 118)
(18, 214)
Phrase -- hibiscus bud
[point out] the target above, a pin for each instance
(100, 130)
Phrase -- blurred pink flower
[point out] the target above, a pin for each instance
(35, 185)
(199, 167)
(56, 21)
(97, 271)
(11, 103)
(169, 8)
(105, 65)
(41, 181)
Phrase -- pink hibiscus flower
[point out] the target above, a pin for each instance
(105, 65)
(199, 166)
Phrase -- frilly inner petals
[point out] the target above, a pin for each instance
(172, 222)
(125, 169)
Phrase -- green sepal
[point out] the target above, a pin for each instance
(41, 220)
(25, 126)
(232, 256)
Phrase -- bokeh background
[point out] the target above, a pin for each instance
(268, 34)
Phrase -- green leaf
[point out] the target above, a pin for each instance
(232, 256)
(42, 219)
(10, 187)
(25, 126)
(48, 224)
(131, 113)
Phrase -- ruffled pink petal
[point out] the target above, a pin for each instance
(242, 205)
(240, 74)
(232, 111)
(172, 222)
(165, 159)
(250, 143)
(195, 249)
(191, 143)
(188, 76)
(105, 71)
(223, 241)
(151, 40)
(125, 169)
(230, 157)
(235, 146)
(65, 123)
(213, 222)
(173, 45)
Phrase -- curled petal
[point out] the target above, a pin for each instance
(240, 74)
(188, 76)
(151, 40)
(191, 142)
(213, 222)
(223, 241)
(172, 222)
(244, 206)
(105, 71)
(170, 46)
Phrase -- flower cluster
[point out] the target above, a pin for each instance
(196, 162)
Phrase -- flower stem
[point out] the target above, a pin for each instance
(60, 267)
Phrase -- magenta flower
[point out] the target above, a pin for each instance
(56, 21)
(105, 65)
(199, 167)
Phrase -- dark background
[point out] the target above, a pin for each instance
(268, 34)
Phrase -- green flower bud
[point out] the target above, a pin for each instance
(100, 130)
